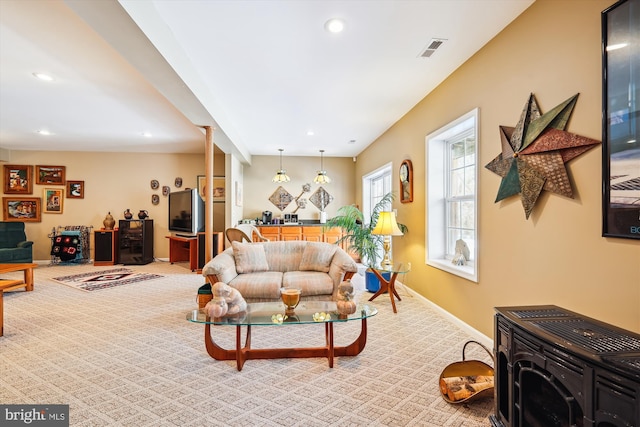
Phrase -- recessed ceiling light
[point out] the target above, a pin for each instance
(43, 76)
(310, 133)
(334, 25)
(147, 134)
(44, 132)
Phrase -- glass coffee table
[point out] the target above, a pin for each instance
(272, 314)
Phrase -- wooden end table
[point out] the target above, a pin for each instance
(390, 285)
(7, 285)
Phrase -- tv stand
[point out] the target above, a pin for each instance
(183, 248)
(190, 248)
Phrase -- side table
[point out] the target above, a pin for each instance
(390, 285)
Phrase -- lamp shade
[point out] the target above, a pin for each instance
(321, 177)
(281, 174)
(387, 225)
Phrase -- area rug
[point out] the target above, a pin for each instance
(95, 281)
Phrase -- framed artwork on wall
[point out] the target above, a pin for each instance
(201, 183)
(406, 181)
(53, 200)
(50, 175)
(75, 189)
(218, 188)
(621, 120)
(18, 179)
(21, 209)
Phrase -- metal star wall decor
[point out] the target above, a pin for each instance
(534, 153)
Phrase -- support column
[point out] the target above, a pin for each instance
(208, 202)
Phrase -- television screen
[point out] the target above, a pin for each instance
(186, 212)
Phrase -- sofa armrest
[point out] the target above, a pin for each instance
(342, 267)
(222, 266)
(25, 244)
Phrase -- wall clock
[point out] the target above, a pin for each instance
(406, 181)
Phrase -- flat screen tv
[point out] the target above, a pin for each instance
(186, 213)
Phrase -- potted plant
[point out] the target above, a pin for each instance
(357, 234)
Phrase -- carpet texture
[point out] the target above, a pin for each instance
(128, 357)
(94, 281)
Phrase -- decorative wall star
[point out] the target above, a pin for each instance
(534, 153)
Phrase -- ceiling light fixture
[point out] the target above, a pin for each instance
(322, 177)
(43, 76)
(44, 132)
(281, 174)
(334, 25)
(147, 134)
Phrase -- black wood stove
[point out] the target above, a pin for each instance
(557, 368)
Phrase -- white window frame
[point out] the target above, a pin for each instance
(384, 171)
(436, 192)
(367, 198)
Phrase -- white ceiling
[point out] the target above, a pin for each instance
(262, 72)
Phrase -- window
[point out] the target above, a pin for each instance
(374, 186)
(451, 153)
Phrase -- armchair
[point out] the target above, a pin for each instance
(14, 246)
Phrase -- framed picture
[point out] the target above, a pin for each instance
(53, 200)
(50, 175)
(218, 188)
(621, 120)
(21, 209)
(18, 179)
(406, 181)
(201, 183)
(75, 189)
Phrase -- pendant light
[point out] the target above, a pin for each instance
(321, 177)
(281, 175)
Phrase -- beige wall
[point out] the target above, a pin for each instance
(117, 181)
(557, 256)
(114, 182)
(258, 186)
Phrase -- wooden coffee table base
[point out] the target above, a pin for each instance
(242, 353)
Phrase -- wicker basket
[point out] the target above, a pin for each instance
(469, 368)
(204, 295)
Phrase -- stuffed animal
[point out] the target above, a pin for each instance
(235, 301)
(345, 298)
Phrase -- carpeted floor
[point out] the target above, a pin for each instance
(126, 356)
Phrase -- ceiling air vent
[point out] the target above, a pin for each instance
(431, 47)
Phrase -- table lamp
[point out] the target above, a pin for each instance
(387, 227)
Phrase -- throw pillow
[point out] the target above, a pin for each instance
(317, 257)
(249, 257)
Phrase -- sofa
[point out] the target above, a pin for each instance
(14, 246)
(259, 270)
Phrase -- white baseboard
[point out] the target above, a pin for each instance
(476, 334)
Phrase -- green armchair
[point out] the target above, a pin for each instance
(14, 246)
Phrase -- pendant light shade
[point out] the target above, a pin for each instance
(281, 174)
(321, 177)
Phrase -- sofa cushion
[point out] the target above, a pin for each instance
(284, 255)
(309, 282)
(249, 257)
(265, 284)
(317, 257)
